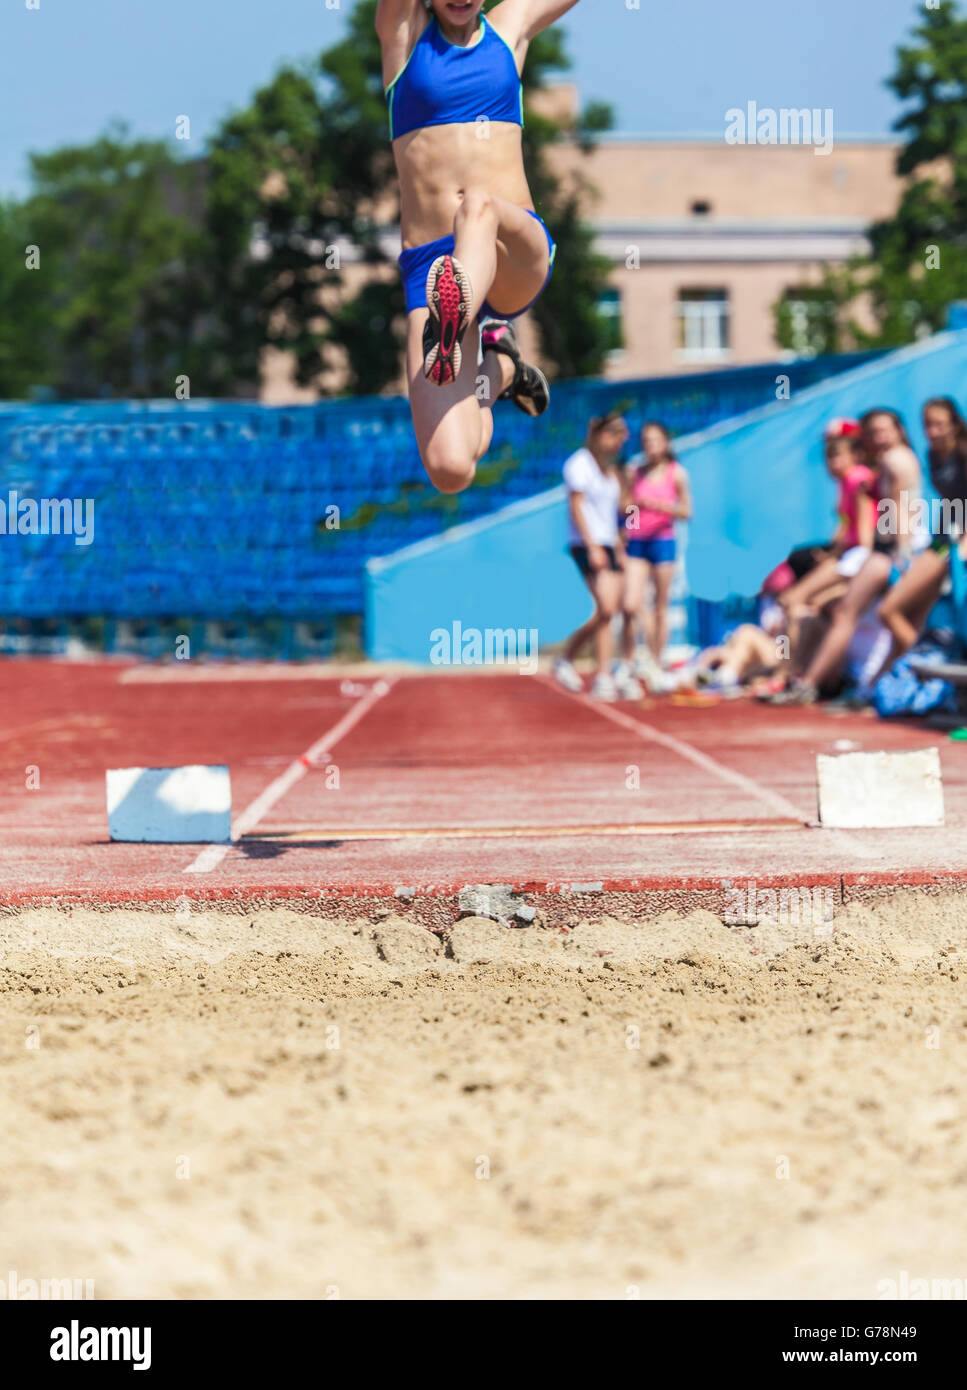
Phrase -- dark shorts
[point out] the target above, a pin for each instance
(580, 556)
(415, 267)
(656, 552)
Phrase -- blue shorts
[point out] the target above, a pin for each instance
(657, 552)
(415, 266)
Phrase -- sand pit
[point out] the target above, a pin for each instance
(275, 1105)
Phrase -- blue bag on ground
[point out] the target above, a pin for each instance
(901, 691)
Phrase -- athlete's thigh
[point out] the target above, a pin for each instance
(636, 573)
(902, 595)
(432, 406)
(871, 580)
(606, 588)
(919, 585)
(811, 584)
(523, 258)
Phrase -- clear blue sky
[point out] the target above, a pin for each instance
(668, 68)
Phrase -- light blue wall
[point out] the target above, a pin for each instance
(511, 570)
(759, 487)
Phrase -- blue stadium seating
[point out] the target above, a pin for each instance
(216, 511)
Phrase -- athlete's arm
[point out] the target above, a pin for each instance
(519, 21)
(392, 14)
(399, 23)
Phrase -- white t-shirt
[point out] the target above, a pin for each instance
(600, 498)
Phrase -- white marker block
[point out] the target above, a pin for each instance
(170, 805)
(880, 791)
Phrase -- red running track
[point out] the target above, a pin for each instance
(429, 782)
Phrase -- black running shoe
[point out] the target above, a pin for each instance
(529, 390)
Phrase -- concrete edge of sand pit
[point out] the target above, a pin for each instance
(557, 903)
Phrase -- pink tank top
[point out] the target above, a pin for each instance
(650, 525)
(859, 476)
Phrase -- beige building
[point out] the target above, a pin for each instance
(705, 237)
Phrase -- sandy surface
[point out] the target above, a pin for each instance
(274, 1105)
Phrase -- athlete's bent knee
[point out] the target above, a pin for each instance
(450, 472)
(477, 205)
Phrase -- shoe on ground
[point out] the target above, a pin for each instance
(567, 675)
(768, 687)
(629, 687)
(797, 692)
(604, 688)
(664, 683)
(648, 671)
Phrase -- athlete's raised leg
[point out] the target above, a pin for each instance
(503, 249)
(454, 424)
(501, 256)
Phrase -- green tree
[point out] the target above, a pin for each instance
(115, 266)
(26, 330)
(297, 178)
(918, 261)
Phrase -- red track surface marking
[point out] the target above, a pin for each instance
(473, 754)
(779, 805)
(212, 855)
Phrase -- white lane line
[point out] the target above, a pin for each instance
(212, 855)
(649, 734)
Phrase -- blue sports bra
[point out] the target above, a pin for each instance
(443, 84)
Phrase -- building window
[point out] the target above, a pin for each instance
(609, 310)
(704, 329)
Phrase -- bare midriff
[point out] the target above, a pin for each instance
(440, 164)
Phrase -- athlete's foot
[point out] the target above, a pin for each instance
(797, 692)
(448, 297)
(567, 675)
(529, 389)
(629, 687)
(603, 688)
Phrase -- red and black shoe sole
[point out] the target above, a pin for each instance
(448, 298)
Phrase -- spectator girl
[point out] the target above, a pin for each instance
(886, 447)
(906, 607)
(594, 495)
(656, 495)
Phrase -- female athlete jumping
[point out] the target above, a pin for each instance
(474, 249)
